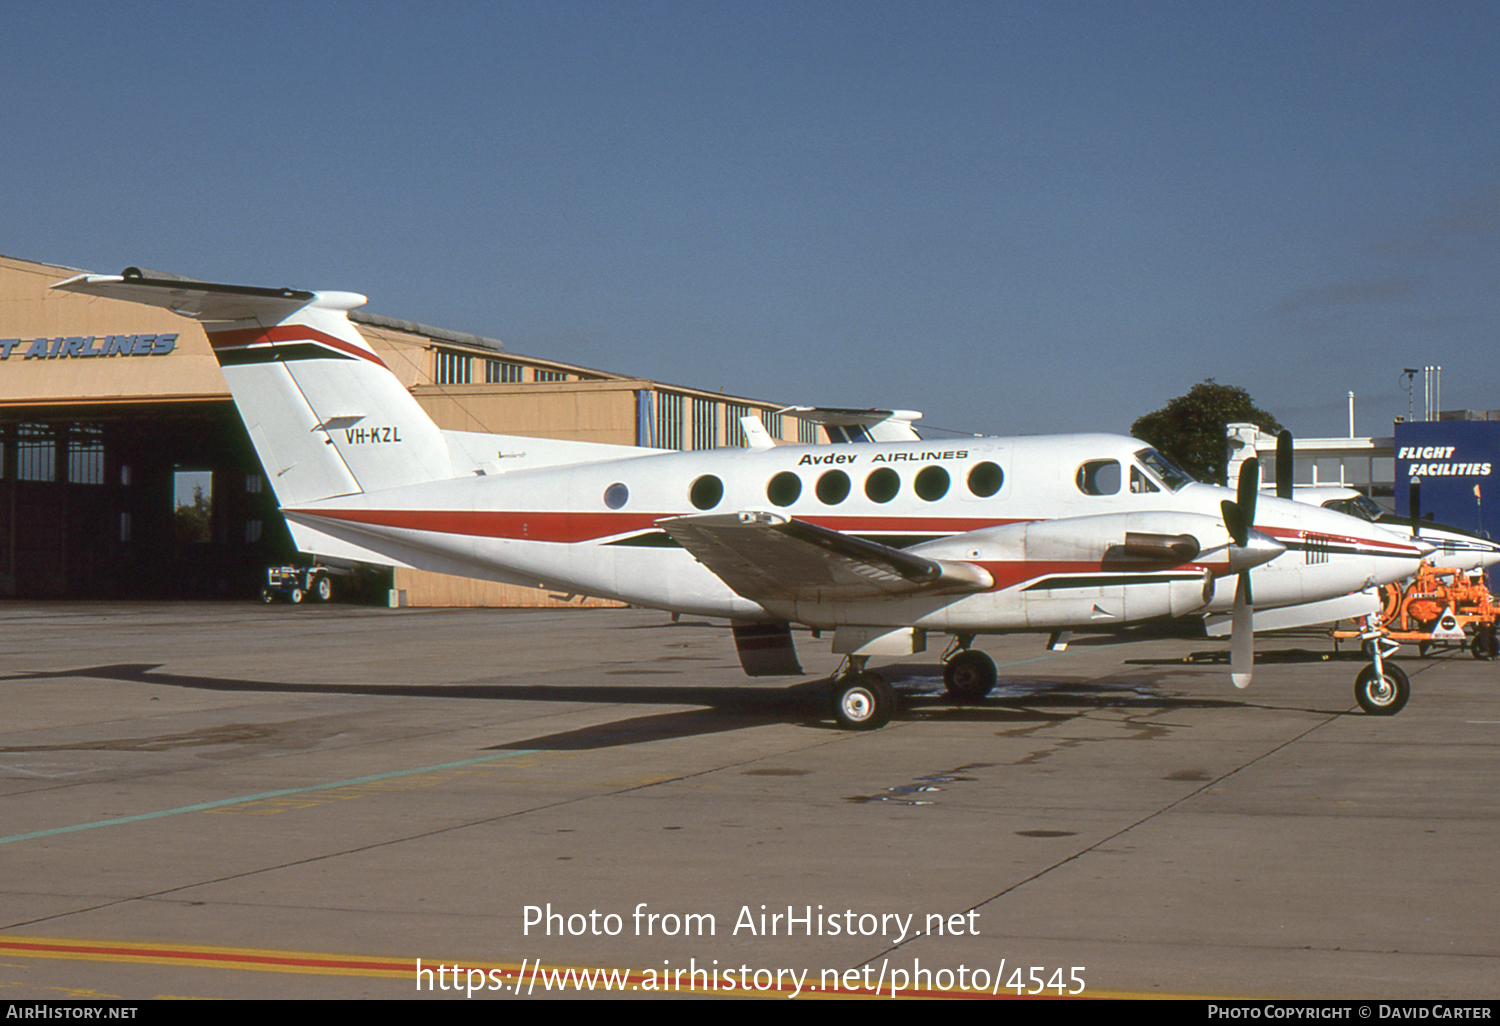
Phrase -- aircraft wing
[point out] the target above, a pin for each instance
(764, 557)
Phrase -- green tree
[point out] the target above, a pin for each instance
(1190, 428)
(191, 523)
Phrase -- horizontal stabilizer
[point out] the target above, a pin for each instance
(843, 425)
(205, 300)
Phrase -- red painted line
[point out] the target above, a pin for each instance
(218, 957)
(536, 526)
(1297, 534)
(550, 526)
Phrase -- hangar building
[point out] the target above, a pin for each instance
(126, 472)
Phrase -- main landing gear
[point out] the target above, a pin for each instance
(968, 673)
(862, 700)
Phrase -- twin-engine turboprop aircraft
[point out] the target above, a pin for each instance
(880, 543)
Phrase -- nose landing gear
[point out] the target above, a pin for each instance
(1382, 688)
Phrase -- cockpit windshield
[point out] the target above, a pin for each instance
(1167, 472)
(1361, 506)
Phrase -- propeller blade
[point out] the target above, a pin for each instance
(1234, 520)
(1249, 488)
(1242, 634)
(1414, 507)
(1240, 514)
(1284, 465)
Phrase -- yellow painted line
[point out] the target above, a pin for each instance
(206, 957)
(526, 977)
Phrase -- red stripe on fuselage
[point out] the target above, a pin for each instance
(566, 527)
(241, 338)
(1392, 547)
(576, 527)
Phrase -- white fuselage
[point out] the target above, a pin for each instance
(592, 529)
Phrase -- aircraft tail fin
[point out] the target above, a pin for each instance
(326, 415)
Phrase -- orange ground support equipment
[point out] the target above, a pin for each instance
(1419, 611)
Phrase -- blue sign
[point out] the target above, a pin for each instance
(1455, 462)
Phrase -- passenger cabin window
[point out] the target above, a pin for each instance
(784, 489)
(883, 485)
(832, 488)
(1140, 484)
(1099, 477)
(706, 492)
(985, 479)
(931, 483)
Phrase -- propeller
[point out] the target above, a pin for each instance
(1284, 465)
(1250, 549)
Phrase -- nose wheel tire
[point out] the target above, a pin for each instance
(969, 675)
(1382, 694)
(863, 701)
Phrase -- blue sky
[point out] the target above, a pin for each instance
(1016, 217)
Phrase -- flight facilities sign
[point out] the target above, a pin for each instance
(82, 347)
(1454, 461)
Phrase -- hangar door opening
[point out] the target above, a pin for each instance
(165, 501)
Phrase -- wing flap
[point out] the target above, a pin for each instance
(764, 557)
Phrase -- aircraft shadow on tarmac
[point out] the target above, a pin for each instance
(1015, 700)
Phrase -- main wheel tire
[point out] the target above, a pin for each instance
(295, 596)
(322, 588)
(969, 675)
(1382, 695)
(863, 701)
